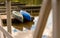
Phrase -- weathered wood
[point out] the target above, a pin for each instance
(44, 12)
(2, 26)
(5, 17)
(3, 9)
(1, 34)
(4, 35)
(56, 18)
(5, 32)
(8, 10)
(12, 4)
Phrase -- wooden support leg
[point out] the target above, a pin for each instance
(56, 18)
(1, 24)
(5, 32)
(45, 9)
(8, 10)
(1, 34)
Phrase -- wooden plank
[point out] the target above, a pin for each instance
(44, 13)
(4, 17)
(12, 4)
(1, 34)
(8, 10)
(56, 18)
(16, 8)
(5, 32)
(2, 13)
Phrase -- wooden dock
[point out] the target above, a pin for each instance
(14, 20)
(4, 17)
(33, 10)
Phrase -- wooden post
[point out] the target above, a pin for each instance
(56, 18)
(8, 10)
(45, 9)
(31, 12)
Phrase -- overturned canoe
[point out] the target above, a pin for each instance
(17, 15)
(26, 15)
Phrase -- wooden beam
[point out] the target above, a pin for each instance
(56, 18)
(5, 32)
(8, 10)
(44, 13)
(1, 34)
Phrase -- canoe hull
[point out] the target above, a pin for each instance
(17, 16)
(26, 15)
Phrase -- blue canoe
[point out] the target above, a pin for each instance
(26, 15)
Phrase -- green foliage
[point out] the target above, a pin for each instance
(14, 0)
(28, 2)
(1, 0)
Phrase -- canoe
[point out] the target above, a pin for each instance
(26, 15)
(17, 15)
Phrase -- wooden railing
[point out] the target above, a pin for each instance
(44, 13)
(3, 31)
(29, 9)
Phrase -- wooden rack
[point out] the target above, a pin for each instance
(47, 5)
